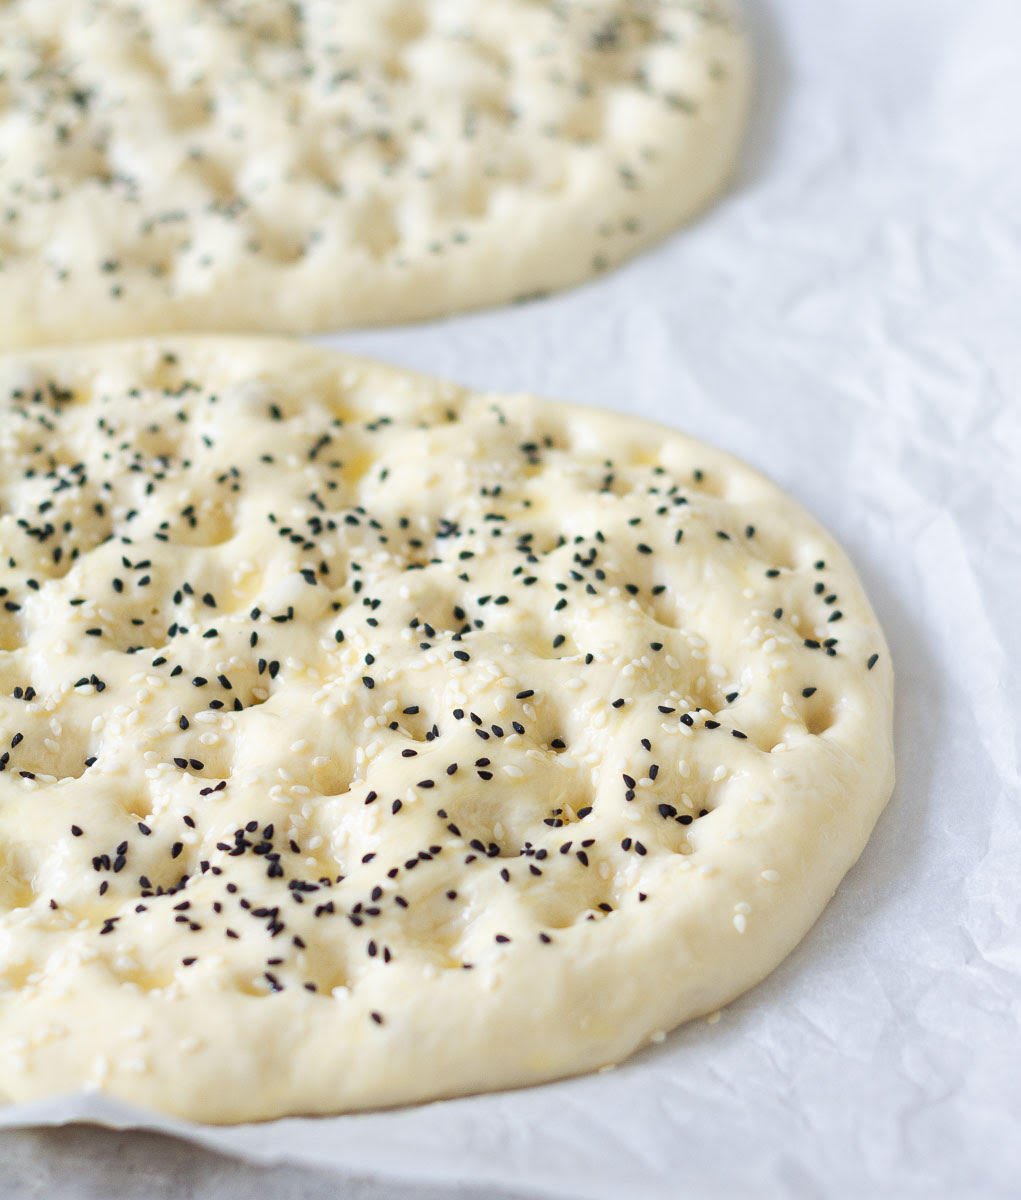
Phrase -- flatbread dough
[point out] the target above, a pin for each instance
(366, 740)
(184, 165)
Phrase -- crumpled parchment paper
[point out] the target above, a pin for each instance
(848, 320)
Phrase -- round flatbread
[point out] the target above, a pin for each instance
(367, 740)
(184, 165)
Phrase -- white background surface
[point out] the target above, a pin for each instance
(849, 321)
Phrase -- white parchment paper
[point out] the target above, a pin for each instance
(848, 320)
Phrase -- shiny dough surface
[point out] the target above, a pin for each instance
(365, 740)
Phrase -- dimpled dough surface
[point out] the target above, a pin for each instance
(366, 740)
(180, 164)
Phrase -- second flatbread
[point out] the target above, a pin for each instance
(173, 165)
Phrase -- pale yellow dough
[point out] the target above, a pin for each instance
(186, 165)
(583, 612)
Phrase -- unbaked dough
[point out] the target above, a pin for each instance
(186, 165)
(367, 740)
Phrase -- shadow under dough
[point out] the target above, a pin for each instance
(84, 1162)
(771, 78)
